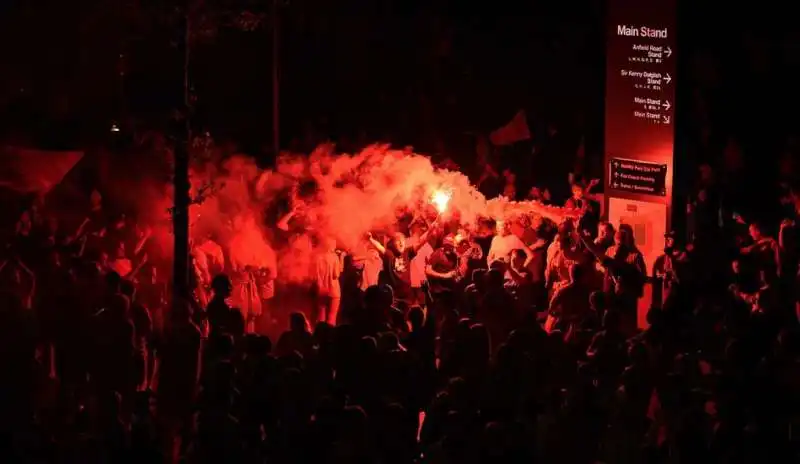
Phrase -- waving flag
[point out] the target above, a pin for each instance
(35, 171)
(515, 131)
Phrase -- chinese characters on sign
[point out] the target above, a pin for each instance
(638, 177)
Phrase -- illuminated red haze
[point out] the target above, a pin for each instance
(352, 195)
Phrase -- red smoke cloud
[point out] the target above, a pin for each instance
(350, 195)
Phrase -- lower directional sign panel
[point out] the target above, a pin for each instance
(638, 177)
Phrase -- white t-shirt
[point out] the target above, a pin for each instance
(502, 246)
(373, 264)
(328, 268)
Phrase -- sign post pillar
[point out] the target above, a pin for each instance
(639, 120)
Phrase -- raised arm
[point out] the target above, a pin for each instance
(640, 264)
(785, 224)
(430, 317)
(594, 196)
(539, 244)
(491, 256)
(424, 237)
(83, 246)
(138, 268)
(283, 223)
(528, 253)
(516, 276)
(378, 245)
(551, 267)
(555, 302)
(83, 225)
(549, 272)
(142, 241)
(32, 276)
(776, 249)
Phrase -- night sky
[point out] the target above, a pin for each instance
(409, 72)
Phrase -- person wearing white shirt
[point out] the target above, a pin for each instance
(328, 268)
(504, 243)
(418, 276)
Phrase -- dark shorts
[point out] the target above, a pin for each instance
(417, 297)
(404, 294)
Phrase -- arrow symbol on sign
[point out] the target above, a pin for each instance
(666, 119)
(666, 105)
(668, 51)
(668, 78)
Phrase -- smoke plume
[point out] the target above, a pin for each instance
(336, 196)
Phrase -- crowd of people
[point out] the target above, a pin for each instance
(510, 340)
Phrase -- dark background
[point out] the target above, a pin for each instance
(422, 72)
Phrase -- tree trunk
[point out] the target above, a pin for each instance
(180, 218)
(276, 114)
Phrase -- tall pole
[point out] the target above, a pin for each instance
(276, 84)
(180, 214)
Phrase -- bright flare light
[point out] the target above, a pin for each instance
(440, 199)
